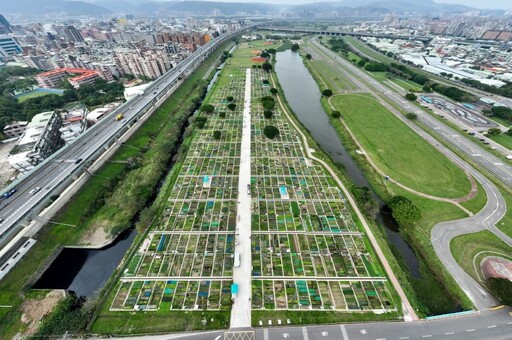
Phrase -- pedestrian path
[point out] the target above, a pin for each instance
(241, 309)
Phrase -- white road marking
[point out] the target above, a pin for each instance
(217, 338)
(363, 331)
(449, 333)
(324, 333)
(403, 337)
(492, 326)
(470, 330)
(305, 333)
(344, 332)
(427, 336)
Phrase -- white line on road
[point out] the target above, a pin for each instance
(470, 330)
(492, 326)
(427, 336)
(305, 333)
(344, 332)
(217, 338)
(449, 333)
(265, 334)
(403, 337)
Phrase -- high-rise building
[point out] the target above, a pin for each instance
(72, 34)
(5, 27)
(9, 46)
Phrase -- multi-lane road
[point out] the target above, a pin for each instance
(70, 161)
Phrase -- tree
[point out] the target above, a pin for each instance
(265, 55)
(216, 134)
(411, 97)
(270, 131)
(265, 81)
(222, 114)
(274, 90)
(295, 47)
(230, 98)
(232, 106)
(365, 201)
(335, 114)
(361, 63)
(201, 122)
(208, 108)
(326, 93)
(501, 288)
(267, 67)
(268, 114)
(411, 115)
(308, 56)
(404, 211)
(494, 132)
(268, 102)
(272, 51)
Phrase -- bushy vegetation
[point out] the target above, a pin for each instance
(68, 316)
(295, 47)
(268, 102)
(365, 201)
(502, 112)
(270, 131)
(411, 97)
(502, 289)
(217, 135)
(327, 93)
(404, 211)
(335, 114)
(268, 114)
(200, 122)
(208, 108)
(505, 90)
(232, 106)
(267, 67)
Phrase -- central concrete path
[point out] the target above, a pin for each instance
(241, 309)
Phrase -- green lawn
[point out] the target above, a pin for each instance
(399, 151)
(503, 139)
(159, 322)
(466, 249)
(34, 94)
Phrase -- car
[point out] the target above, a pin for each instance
(9, 193)
(486, 143)
(154, 92)
(78, 160)
(33, 191)
(493, 148)
(1, 220)
(482, 139)
(131, 107)
(471, 133)
(249, 189)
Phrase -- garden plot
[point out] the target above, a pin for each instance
(173, 295)
(184, 254)
(320, 295)
(198, 216)
(309, 255)
(307, 251)
(186, 261)
(310, 216)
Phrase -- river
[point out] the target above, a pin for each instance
(303, 95)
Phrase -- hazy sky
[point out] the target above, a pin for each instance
(500, 4)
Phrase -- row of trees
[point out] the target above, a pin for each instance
(502, 112)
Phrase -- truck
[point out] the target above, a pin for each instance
(119, 117)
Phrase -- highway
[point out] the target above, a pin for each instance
(74, 157)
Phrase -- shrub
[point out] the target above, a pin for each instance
(274, 90)
(411, 115)
(268, 102)
(404, 211)
(326, 93)
(229, 98)
(411, 97)
(232, 106)
(308, 56)
(201, 122)
(295, 47)
(222, 114)
(265, 81)
(335, 114)
(268, 114)
(216, 135)
(267, 67)
(270, 131)
(208, 108)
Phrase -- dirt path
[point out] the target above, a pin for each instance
(34, 311)
(407, 309)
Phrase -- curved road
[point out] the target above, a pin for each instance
(442, 233)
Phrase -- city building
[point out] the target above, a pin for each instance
(52, 79)
(41, 139)
(5, 27)
(15, 129)
(9, 46)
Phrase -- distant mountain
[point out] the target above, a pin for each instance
(206, 8)
(45, 7)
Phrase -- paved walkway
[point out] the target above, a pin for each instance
(241, 309)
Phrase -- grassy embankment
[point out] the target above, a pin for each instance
(430, 292)
(377, 231)
(161, 128)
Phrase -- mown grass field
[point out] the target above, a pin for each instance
(469, 250)
(503, 139)
(399, 151)
(34, 94)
